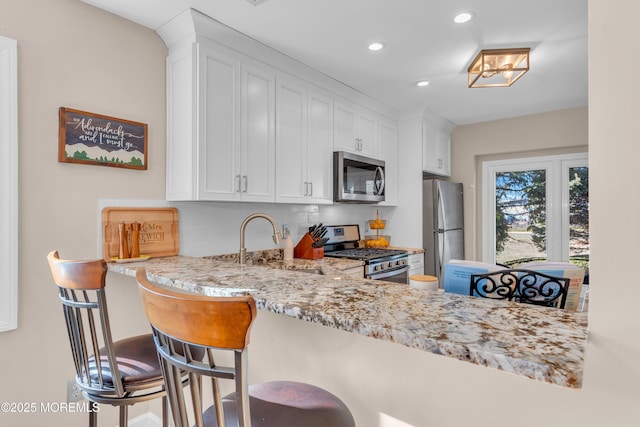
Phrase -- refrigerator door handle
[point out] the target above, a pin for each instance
(441, 252)
(441, 238)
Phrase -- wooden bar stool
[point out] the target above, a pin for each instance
(182, 322)
(119, 373)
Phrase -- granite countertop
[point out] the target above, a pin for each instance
(410, 251)
(274, 258)
(541, 343)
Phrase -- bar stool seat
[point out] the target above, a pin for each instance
(183, 322)
(286, 403)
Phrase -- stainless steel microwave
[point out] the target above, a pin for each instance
(357, 179)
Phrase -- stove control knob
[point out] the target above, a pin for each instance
(390, 264)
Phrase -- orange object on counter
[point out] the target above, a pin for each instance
(123, 233)
(134, 251)
(305, 249)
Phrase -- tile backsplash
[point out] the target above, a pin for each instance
(213, 228)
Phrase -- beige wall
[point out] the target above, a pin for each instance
(72, 55)
(547, 133)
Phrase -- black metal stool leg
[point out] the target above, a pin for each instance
(93, 416)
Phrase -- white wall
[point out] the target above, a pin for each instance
(72, 55)
(546, 133)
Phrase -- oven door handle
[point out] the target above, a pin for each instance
(388, 273)
(378, 180)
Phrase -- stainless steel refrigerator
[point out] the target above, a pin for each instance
(442, 228)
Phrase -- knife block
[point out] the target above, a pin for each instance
(304, 249)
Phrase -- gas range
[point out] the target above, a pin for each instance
(385, 264)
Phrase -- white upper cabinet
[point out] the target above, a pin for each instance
(388, 135)
(436, 150)
(303, 143)
(355, 130)
(231, 154)
(246, 123)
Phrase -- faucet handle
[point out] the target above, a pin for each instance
(277, 236)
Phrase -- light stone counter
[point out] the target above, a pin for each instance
(541, 343)
(410, 251)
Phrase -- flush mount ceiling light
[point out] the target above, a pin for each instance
(422, 83)
(498, 67)
(255, 2)
(376, 46)
(463, 17)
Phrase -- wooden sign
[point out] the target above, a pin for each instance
(101, 140)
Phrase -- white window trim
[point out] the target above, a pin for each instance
(8, 184)
(554, 166)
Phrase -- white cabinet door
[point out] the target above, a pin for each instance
(355, 131)
(388, 150)
(291, 140)
(436, 146)
(443, 153)
(320, 148)
(416, 264)
(258, 135)
(344, 128)
(304, 138)
(417, 271)
(218, 133)
(367, 134)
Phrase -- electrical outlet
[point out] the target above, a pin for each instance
(74, 393)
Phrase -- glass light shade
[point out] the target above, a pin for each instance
(498, 67)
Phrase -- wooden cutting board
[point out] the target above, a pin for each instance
(159, 234)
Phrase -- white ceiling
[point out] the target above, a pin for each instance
(422, 42)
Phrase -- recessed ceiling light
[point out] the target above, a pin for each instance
(422, 83)
(376, 46)
(463, 17)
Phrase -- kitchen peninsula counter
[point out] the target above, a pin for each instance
(541, 343)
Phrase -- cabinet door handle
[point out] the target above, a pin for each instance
(239, 185)
(310, 189)
(246, 183)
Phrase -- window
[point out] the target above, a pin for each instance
(536, 209)
(8, 184)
